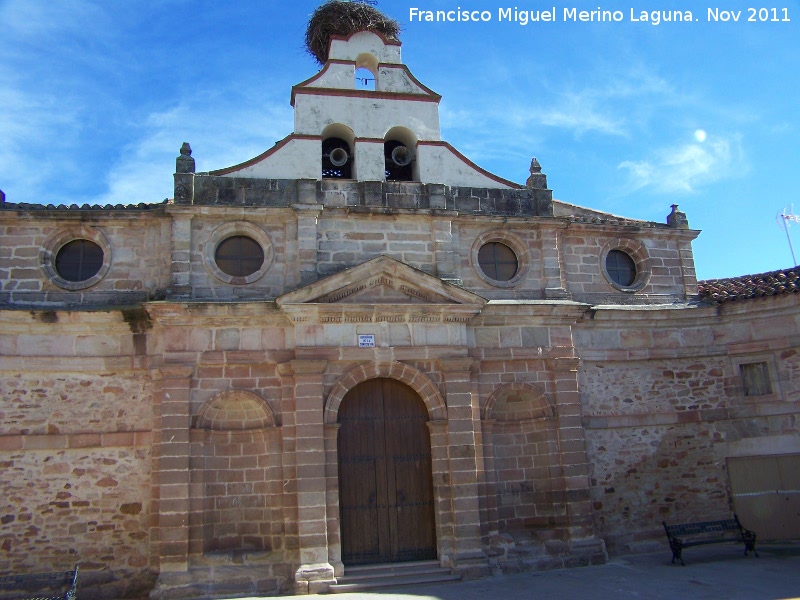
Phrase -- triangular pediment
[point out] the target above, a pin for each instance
(382, 280)
(382, 287)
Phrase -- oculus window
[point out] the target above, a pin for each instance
(238, 253)
(621, 268)
(239, 256)
(498, 261)
(79, 260)
(75, 258)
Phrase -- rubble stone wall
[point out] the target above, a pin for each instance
(660, 425)
(75, 447)
(67, 505)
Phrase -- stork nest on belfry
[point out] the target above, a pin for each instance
(342, 18)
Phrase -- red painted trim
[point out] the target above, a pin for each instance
(370, 140)
(318, 75)
(471, 164)
(386, 41)
(411, 77)
(262, 156)
(363, 94)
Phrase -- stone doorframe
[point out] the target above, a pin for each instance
(453, 462)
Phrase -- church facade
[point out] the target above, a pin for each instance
(361, 348)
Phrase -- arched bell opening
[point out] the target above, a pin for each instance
(338, 159)
(366, 72)
(365, 79)
(399, 152)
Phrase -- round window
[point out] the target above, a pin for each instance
(79, 260)
(620, 268)
(239, 256)
(497, 261)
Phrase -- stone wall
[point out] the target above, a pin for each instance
(75, 447)
(665, 272)
(210, 190)
(240, 500)
(78, 499)
(135, 254)
(275, 230)
(664, 406)
(311, 229)
(350, 241)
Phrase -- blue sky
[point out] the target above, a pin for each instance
(627, 117)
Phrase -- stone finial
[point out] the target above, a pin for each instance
(677, 219)
(185, 163)
(184, 176)
(537, 179)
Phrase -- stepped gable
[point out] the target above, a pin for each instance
(746, 287)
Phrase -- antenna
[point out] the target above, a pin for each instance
(783, 218)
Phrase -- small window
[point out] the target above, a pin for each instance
(79, 260)
(365, 80)
(239, 256)
(497, 261)
(620, 267)
(755, 379)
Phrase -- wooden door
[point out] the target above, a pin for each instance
(766, 494)
(385, 483)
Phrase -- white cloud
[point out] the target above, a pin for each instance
(580, 114)
(32, 128)
(220, 132)
(685, 167)
(617, 105)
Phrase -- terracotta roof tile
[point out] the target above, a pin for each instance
(74, 207)
(745, 287)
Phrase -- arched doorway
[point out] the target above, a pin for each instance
(385, 482)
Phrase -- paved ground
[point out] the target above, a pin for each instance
(711, 572)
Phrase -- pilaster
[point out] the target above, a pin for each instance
(444, 248)
(572, 447)
(463, 412)
(489, 487)
(315, 573)
(181, 255)
(555, 286)
(332, 497)
(307, 216)
(171, 466)
(443, 493)
(688, 272)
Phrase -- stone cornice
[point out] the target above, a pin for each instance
(380, 313)
(566, 311)
(262, 313)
